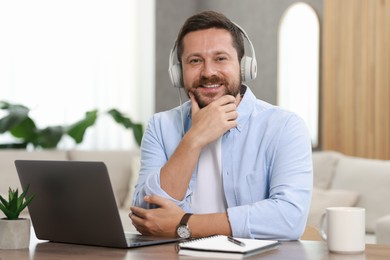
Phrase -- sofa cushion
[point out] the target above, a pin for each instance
(322, 199)
(136, 164)
(119, 165)
(371, 179)
(8, 174)
(324, 164)
(382, 230)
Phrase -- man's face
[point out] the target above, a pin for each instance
(210, 65)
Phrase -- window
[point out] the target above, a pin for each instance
(298, 65)
(63, 58)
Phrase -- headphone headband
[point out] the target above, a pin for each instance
(248, 64)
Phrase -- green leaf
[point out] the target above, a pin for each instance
(127, 123)
(77, 130)
(138, 132)
(22, 196)
(3, 202)
(12, 194)
(18, 124)
(4, 105)
(9, 214)
(3, 208)
(49, 137)
(13, 119)
(12, 201)
(25, 130)
(14, 108)
(120, 118)
(24, 205)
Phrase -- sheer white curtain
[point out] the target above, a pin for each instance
(63, 58)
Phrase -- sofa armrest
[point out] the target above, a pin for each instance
(382, 230)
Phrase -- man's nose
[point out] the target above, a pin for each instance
(209, 69)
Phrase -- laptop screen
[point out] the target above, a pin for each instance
(74, 203)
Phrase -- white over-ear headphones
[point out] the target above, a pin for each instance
(248, 64)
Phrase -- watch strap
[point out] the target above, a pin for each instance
(185, 219)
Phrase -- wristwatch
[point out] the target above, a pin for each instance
(183, 230)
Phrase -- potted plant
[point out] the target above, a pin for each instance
(20, 125)
(14, 231)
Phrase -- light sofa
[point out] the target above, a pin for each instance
(339, 180)
(122, 166)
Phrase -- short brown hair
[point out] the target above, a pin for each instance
(207, 20)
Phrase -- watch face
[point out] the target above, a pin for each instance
(183, 231)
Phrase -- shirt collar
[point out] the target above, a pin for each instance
(245, 107)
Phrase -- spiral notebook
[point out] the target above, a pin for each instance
(219, 246)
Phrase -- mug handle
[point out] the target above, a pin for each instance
(322, 230)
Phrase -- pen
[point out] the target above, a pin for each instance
(235, 241)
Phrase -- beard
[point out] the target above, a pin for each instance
(203, 100)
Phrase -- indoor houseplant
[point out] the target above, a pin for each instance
(20, 125)
(14, 231)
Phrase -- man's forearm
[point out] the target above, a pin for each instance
(202, 225)
(176, 173)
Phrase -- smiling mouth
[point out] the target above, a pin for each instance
(211, 85)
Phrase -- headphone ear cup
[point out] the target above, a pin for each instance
(176, 75)
(248, 69)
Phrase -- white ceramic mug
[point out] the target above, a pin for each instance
(345, 229)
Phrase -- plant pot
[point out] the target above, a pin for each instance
(15, 234)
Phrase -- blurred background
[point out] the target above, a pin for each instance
(327, 60)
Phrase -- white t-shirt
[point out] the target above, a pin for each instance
(208, 195)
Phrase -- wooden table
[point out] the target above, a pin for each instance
(301, 250)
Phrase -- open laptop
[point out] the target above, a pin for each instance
(74, 203)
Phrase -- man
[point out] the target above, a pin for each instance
(241, 166)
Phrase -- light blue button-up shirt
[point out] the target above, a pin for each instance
(266, 168)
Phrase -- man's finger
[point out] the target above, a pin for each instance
(137, 212)
(156, 200)
(229, 107)
(226, 99)
(194, 105)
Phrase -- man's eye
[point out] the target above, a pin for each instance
(221, 58)
(195, 60)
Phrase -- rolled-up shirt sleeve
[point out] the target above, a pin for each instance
(155, 151)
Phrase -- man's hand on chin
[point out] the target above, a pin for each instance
(161, 221)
